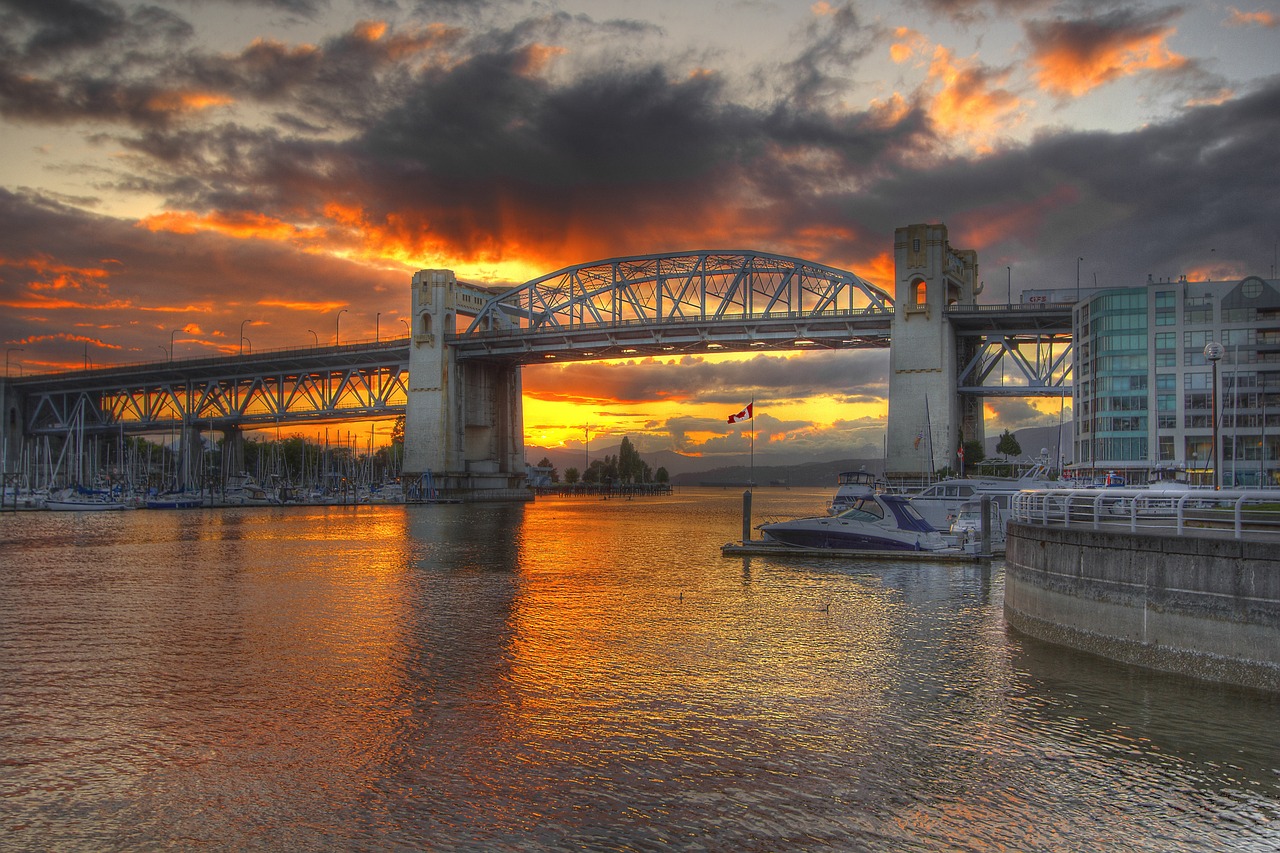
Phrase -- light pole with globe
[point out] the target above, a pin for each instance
(1213, 354)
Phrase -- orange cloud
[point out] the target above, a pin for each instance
(1075, 57)
(44, 303)
(1252, 19)
(185, 101)
(238, 224)
(35, 339)
(537, 57)
(301, 306)
(909, 43)
(59, 276)
(972, 103)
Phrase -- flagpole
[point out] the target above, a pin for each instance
(751, 474)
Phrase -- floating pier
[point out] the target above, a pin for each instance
(761, 548)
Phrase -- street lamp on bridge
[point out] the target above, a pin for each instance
(6, 358)
(376, 317)
(242, 322)
(171, 334)
(406, 326)
(315, 339)
(335, 326)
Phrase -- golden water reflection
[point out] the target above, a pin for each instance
(569, 674)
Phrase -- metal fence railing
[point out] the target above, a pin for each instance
(1249, 514)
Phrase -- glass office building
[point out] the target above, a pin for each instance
(1145, 393)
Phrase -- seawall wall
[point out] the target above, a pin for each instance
(1208, 608)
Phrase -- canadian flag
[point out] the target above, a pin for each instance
(745, 414)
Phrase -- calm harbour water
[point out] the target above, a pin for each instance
(574, 674)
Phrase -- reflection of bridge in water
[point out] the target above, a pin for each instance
(457, 377)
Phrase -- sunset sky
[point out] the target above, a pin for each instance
(176, 170)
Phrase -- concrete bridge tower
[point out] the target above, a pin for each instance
(464, 421)
(927, 418)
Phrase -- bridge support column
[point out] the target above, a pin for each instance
(927, 418)
(11, 430)
(464, 422)
(232, 454)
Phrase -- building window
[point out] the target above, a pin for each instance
(1197, 310)
(920, 293)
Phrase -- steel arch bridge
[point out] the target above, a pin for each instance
(657, 304)
(663, 304)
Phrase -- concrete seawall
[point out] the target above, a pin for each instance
(1209, 608)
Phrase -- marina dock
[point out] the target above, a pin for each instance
(759, 548)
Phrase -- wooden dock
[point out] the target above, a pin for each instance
(760, 548)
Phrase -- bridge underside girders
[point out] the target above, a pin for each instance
(1033, 364)
(859, 330)
(341, 384)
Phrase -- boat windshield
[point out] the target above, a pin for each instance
(863, 509)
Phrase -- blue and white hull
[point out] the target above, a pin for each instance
(874, 523)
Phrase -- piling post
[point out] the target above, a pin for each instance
(985, 526)
(746, 516)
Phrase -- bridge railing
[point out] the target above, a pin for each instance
(193, 361)
(1243, 514)
(636, 323)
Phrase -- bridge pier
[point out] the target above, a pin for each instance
(11, 432)
(232, 454)
(928, 419)
(464, 421)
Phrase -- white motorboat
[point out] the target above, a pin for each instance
(873, 522)
(940, 503)
(81, 500)
(852, 486)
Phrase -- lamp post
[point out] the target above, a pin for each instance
(1078, 261)
(315, 339)
(1213, 353)
(376, 317)
(163, 350)
(171, 334)
(242, 322)
(1008, 288)
(335, 325)
(406, 326)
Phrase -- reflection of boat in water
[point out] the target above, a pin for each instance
(852, 486)
(873, 522)
(940, 503)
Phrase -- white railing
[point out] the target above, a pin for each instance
(1249, 514)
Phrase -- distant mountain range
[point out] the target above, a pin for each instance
(695, 470)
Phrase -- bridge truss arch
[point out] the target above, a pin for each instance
(657, 304)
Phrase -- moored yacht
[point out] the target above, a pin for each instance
(940, 503)
(873, 522)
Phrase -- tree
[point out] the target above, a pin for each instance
(630, 465)
(546, 463)
(1008, 445)
(571, 475)
(662, 476)
(974, 452)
